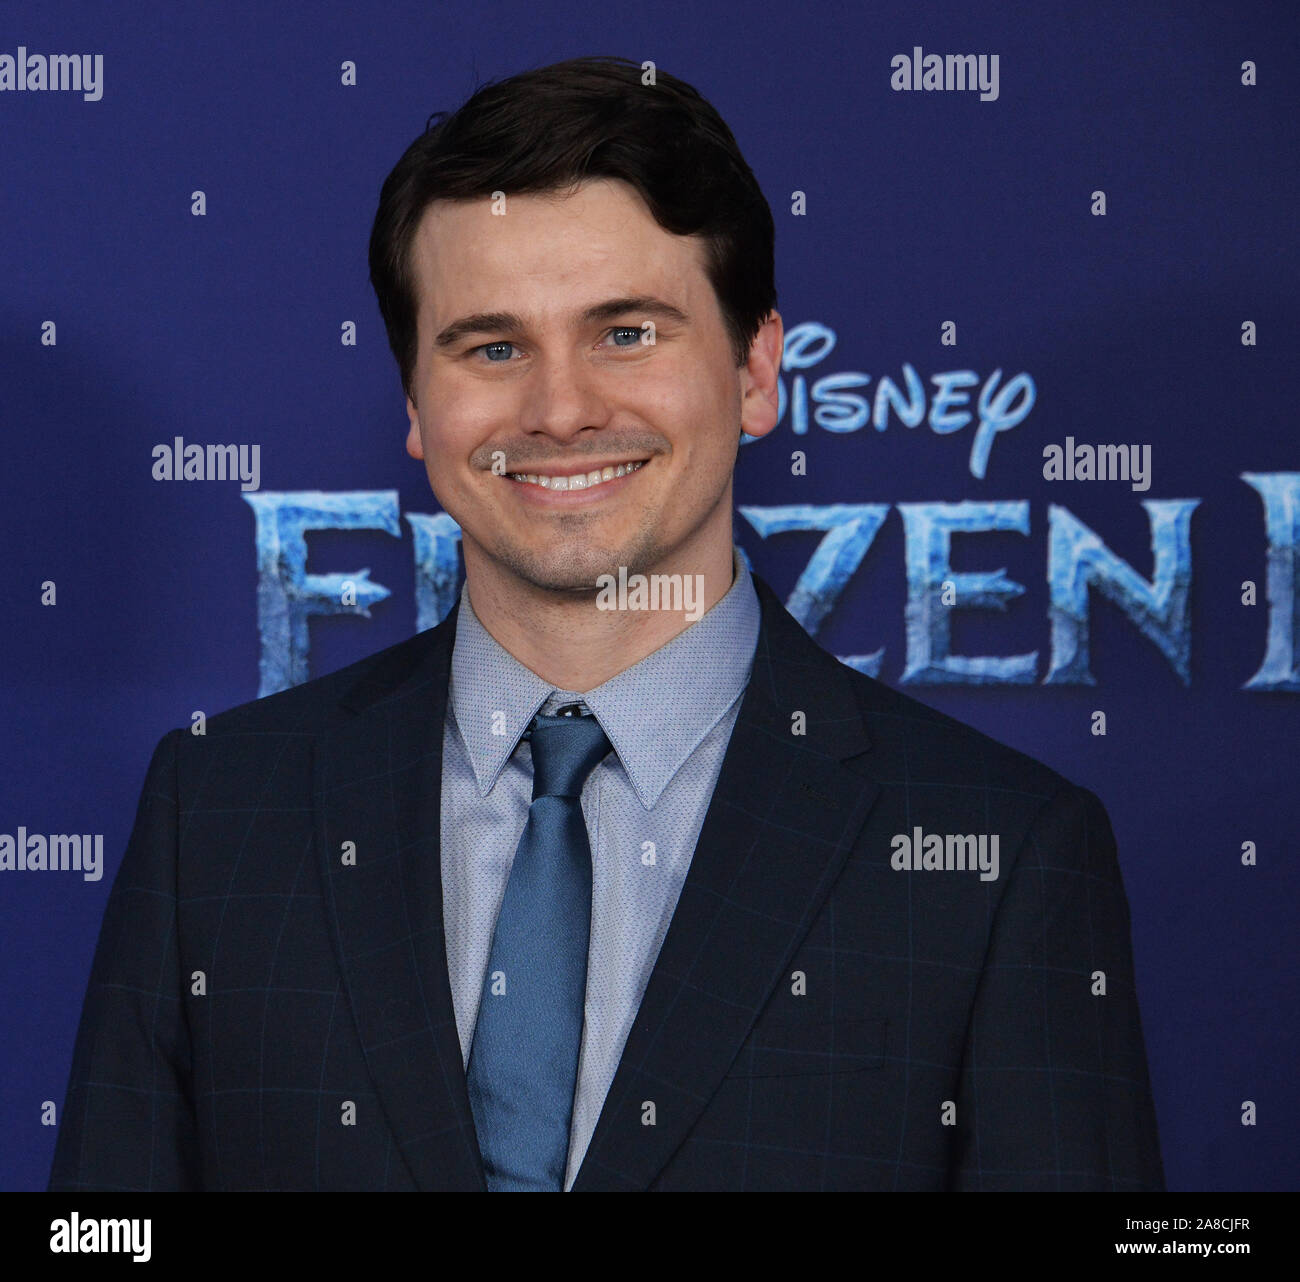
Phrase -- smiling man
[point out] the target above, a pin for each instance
(563, 896)
(578, 409)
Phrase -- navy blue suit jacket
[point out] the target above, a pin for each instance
(266, 1013)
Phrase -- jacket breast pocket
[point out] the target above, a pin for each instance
(792, 1047)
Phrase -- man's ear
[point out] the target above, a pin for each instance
(414, 442)
(760, 395)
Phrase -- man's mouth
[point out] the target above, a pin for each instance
(578, 480)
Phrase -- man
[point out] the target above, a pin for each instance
(570, 894)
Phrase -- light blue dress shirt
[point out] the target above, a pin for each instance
(669, 719)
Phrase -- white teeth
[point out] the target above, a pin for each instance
(579, 481)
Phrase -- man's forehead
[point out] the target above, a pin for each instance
(463, 245)
(595, 197)
(477, 264)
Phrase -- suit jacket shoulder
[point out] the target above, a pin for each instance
(314, 706)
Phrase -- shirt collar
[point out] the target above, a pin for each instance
(654, 713)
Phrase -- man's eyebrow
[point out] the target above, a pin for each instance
(478, 323)
(508, 322)
(644, 303)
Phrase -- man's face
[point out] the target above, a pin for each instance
(536, 356)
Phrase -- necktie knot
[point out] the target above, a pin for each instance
(565, 751)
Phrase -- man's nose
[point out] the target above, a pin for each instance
(562, 396)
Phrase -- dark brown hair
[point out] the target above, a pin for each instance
(551, 129)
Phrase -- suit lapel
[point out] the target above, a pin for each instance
(785, 813)
(378, 786)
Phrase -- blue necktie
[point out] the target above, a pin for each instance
(523, 1063)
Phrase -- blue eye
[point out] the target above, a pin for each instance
(501, 352)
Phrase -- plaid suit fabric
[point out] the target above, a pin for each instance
(269, 1005)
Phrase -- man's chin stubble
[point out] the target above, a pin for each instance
(578, 575)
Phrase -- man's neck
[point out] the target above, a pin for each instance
(572, 643)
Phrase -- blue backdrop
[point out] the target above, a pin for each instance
(1103, 250)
